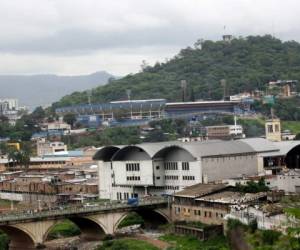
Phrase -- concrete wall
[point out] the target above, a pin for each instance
(27, 198)
(194, 171)
(145, 173)
(288, 183)
(159, 173)
(105, 180)
(207, 215)
(218, 168)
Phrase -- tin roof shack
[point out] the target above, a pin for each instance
(209, 203)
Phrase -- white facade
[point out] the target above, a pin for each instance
(289, 183)
(58, 126)
(12, 103)
(165, 168)
(168, 167)
(265, 221)
(50, 148)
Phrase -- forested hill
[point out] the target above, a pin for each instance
(246, 64)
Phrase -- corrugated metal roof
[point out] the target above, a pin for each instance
(260, 144)
(212, 148)
(199, 190)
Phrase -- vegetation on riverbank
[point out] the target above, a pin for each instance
(131, 219)
(180, 242)
(126, 244)
(63, 229)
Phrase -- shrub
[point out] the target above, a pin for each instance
(269, 237)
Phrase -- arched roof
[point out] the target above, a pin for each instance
(162, 152)
(196, 149)
(286, 146)
(125, 151)
(105, 153)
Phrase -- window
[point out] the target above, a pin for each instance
(171, 166)
(157, 167)
(188, 178)
(270, 128)
(133, 178)
(171, 177)
(132, 167)
(185, 166)
(157, 177)
(197, 212)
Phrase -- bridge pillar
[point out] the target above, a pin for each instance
(27, 235)
(108, 221)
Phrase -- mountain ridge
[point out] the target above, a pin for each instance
(43, 89)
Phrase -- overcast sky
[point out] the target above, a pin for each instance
(73, 37)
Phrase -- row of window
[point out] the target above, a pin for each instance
(188, 178)
(125, 196)
(172, 187)
(133, 178)
(171, 166)
(185, 166)
(198, 212)
(132, 167)
(175, 177)
(171, 177)
(174, 166)
(229, 157)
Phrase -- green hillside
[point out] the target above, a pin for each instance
(246, 64)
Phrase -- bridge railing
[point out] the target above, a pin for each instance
(69, 210)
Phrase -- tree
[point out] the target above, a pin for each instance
(20, 157)
(70, 119)
(38, 114)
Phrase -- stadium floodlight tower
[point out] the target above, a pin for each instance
(128, 93)
(183, 84)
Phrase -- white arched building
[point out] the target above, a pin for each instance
(166, 167)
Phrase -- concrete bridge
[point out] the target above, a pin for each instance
(29, 231)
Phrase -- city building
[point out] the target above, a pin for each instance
(273, 129)
(282, 88)
(267, 216)
(168, 167)
(56, 126)
(50, 148)
(209, 203)
(289, 181)
(286, 135)
(10, 103)
(224, 132)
